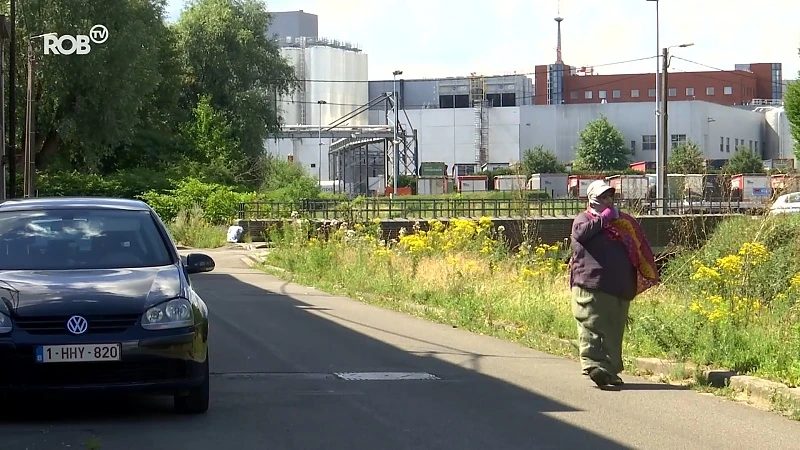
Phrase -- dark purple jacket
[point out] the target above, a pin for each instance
(599, 262)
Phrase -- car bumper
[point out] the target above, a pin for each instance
(165, 363)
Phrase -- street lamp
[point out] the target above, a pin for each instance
(659, 162)
(396, 149)
(661, 172)
(319, 135)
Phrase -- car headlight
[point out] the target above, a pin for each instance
(5, 324)
(176, 313)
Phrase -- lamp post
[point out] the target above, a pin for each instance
(319, 136)
(659, 162)
(661, 172)
(395, 144)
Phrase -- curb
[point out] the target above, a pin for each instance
(760, 388)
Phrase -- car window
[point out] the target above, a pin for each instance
(793, 198)
(80, 239)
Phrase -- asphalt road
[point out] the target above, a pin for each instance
(277, 348)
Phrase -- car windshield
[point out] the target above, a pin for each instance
(80, 239)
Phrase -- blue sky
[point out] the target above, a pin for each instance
(430, 38)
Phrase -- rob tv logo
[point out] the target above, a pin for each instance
(81, 44)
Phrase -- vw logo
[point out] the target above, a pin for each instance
(77, 325)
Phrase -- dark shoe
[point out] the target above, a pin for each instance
(600, 376)
(615, 380)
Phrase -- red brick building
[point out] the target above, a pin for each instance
(561, 83)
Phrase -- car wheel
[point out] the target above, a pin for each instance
(196, 400)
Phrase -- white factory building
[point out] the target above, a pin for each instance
(461, 120)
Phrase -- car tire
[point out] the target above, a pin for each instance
(196, 400)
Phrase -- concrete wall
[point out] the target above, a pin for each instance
(305, 152)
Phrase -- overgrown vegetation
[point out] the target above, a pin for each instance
(734, 303)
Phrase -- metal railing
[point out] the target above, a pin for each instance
(367, 209)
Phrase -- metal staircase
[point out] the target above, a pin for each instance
(301, 75)
(477, 97)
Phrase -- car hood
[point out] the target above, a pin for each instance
(90, 292)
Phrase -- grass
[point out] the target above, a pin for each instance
(190, 228)
(730, 304)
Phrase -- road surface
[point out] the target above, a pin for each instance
(292, 369)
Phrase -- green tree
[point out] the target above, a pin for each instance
(686, 158)
(539, 160)
(286, 181)
(90, 104)
(791, 104)
(744, 160)
(227, 54)
(601, 147)
(216, 156)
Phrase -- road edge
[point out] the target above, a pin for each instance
(671, 371)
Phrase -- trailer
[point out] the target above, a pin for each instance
(472, 183)
(509, 182)
(431, 185)
(630, 187)
(751, 188)
(555, 184)
(578, 184)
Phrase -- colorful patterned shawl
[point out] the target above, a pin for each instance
(627, 229)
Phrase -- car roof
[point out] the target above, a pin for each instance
(40, 203)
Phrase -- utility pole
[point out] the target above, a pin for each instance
(5, 33)
(395, 143)
(30, 146)
(319, 137)
(665, 141)
(11, 151)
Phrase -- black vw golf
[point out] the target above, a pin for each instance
(95, 296)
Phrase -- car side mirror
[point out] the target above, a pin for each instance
(199, 263)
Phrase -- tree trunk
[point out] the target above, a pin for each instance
(47, 147)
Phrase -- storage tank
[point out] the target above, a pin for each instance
(555, 184)
(778, 137)
(325, 59)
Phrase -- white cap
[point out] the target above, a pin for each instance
(598, 188)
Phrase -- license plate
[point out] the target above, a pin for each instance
(77, 353)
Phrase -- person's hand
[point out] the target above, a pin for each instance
(609, 214)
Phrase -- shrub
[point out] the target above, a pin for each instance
(190, 228)
(220, 203)
(733, 303)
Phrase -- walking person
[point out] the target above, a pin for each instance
(611, 264)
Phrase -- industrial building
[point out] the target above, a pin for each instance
(346, 130)
(560, 83)
(447, 135)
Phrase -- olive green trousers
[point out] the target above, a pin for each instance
(601, 319)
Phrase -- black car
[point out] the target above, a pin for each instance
(96, 297)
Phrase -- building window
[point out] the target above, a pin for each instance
(736, 145)
(728, 90)
(648, 142)
(728, 145)
(751, 145)
(587, 95)
(690, 92)
(616, 93)
(756, 147)
(709, 91)
(672, 92)
(633, 146)
(678, 139)
(573, 95)
(721, 144)
(634, 93)
(601, 94)
(651, 92)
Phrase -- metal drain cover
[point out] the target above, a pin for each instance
(385, 376)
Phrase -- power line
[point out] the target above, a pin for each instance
(534, 73)
(732, 72)
(407, 106)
